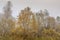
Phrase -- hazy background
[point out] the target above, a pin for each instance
(53, 6)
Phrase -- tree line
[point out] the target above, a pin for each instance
(29, 25)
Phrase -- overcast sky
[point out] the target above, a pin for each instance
(53, 6)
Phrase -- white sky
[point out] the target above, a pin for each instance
(53, 6)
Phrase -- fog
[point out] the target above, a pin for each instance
(53, 6)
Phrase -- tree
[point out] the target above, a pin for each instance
(51, 22)
(57, 24)
(58, 19)
(40, 20)
(46, 13)
(7, 22)
(7, 10)
(24, 18)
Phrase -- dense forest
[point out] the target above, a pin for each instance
(29, 25)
